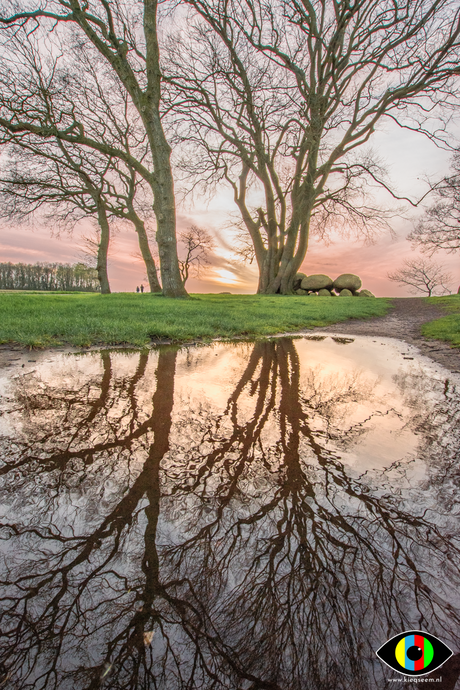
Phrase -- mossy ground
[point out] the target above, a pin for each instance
(448, 327)
(84, 319)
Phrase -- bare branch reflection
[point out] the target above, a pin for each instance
(435, 418)
(152, 539)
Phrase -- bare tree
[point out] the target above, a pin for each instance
(277, 99)
(439, 228)
(68, 184)
(422, 275)
(125, 36)
(73, 181)
(64, 185)
(196, 243)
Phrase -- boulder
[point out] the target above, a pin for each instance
(316, 282)
(298, 279)
(324, 293)
(346, 293)
(347, 281)
(312, 294)
(301, 292)
(366, 293)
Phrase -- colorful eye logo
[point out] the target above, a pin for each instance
(414, 653)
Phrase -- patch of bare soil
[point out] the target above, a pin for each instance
(404, 322)
(15, 355)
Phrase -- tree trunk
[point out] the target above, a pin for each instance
(147, 255)
(169, 265)
(278, 277)
(103, 250)
(162, 183)
(163, 402)
(165, 212)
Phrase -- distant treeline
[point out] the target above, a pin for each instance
(47, 276)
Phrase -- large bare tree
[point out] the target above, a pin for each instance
(63, 185)
(125, 36)
(69, 183)
(279, 98)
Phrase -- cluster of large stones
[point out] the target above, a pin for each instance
(319, 285)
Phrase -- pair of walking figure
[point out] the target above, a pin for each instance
(140, 289)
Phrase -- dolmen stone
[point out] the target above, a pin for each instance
(347, 281)
(301, 292)
(366, 293)
(345, 293)
(312, 294)
(324, 293)
(316, 282)
(298, 279)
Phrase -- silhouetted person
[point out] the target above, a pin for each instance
(137, 289)
(142, 288)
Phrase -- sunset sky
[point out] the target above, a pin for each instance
(409, 159)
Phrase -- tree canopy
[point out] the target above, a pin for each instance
(278, 99)
(439, 227)
(122, 35)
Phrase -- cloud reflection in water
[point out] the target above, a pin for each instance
(173, 520)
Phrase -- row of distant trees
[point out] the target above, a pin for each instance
(48, 276)
(102, 115)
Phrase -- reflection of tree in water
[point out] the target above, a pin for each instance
(255, 558)
(435, 417)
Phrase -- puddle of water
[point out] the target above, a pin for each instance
(237, 516)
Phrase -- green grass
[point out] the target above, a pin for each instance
(84, 319)
(448, 327)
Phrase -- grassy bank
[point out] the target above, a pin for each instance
(83, 319)
(448, 327)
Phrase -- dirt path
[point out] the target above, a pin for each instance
(404, 322)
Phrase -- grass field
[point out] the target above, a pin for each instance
(84, 319)
(447, 328)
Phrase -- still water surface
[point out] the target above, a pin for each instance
(239, 516)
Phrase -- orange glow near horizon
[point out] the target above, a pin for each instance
(226, 277)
